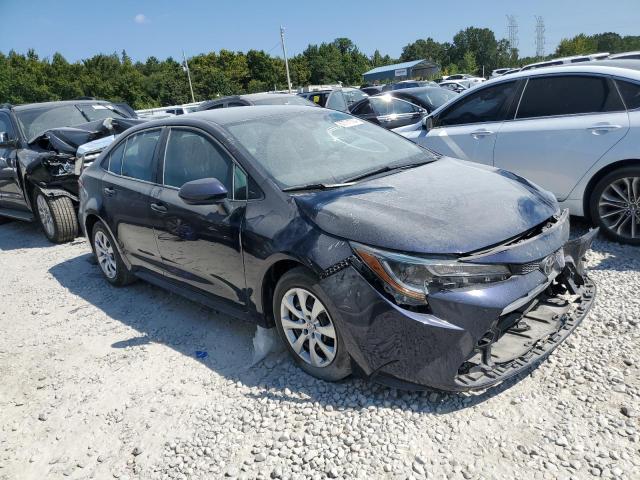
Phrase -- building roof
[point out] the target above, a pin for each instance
(397, 66)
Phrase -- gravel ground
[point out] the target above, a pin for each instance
(98, 382)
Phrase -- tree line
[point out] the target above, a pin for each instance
(26, 78)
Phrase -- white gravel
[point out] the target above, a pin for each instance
(99, 382)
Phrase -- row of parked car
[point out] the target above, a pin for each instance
(370, 249)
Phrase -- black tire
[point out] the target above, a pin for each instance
(340, 366)
(62, 226)
(121, 275)
(596, 212)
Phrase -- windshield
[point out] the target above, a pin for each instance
(285, 100)
(436, 97)
(35, 121)
(322, 146)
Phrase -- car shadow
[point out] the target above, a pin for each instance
(225, 346)
(18, 235)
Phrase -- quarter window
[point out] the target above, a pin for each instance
(137, 161)
(191, 156)
(568, 95)
(115, 159)
(630, 94)
(486, 105)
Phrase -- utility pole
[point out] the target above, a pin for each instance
(286, 62)
(185, 66)
(539, 36)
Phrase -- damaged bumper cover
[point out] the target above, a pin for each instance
(469, 338)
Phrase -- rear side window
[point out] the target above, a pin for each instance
(568, 95)
(5, 125)
(486, 105)
(137, 161)
(630, 94)
(115, 159)
(191, 156)
(364, 108)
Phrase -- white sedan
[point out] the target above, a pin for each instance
(574, 130)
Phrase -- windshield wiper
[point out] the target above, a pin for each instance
(316, 186)
(387, 168)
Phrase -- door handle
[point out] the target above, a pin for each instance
(108, 191)
(603, 128)
(481, 133)
(159, 208)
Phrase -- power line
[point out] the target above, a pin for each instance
(512, 31)
(539, 36)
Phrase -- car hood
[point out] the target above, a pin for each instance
(445, 207)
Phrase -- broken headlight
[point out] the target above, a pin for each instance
(410, 279)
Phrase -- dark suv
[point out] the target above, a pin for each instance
(43, 148)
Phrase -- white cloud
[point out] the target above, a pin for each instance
(140, 18)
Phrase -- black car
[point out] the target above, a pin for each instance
(253, 99)
(389, 112)
(428, 98)
(43, 148)
(367, 252)
(408, 84)
(340, 99)
(372, 90)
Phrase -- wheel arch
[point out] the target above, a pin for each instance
(270, 279)
(599, 175)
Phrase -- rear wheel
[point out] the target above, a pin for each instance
(308, 328)
(57, 216)
(108, 257)
(615, 205)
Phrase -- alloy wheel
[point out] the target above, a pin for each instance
(44, 212)
(308, 327)
(105, 254)
(619, 207)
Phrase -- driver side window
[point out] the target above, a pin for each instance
(485, 105)
(190, 156)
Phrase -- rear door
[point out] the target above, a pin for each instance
(467, 129)
(200, 244)
(126, 192)
(563, 125)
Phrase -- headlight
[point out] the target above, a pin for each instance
(410, 279)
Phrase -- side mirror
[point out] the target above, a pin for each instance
(5, 141)
(427, 122)
(206, 191)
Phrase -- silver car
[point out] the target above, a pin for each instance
(574, 130)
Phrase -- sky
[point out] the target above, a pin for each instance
(162, 28)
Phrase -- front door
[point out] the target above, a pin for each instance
(199, 244)
(563, 126)
(469, 127)
(11, 195)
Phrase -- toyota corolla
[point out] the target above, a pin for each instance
(367, 253)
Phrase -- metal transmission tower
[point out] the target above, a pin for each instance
(512, 30)
(539, 36)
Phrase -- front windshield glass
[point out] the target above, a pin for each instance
(35, 121)
(288, 100)
(99, 111)
(322, 146)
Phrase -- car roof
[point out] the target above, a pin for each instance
(602, 67)
(226, 116)
(61, 103)
(414, 90)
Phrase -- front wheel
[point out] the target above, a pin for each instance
(615, 205)
(57, 217)
(308, 328)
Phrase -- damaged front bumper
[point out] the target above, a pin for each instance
(471, 338)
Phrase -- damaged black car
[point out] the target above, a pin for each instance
(43, 149)
(367, 253)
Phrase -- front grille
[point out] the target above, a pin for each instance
(525, 268)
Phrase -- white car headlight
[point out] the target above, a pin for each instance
(410, 279)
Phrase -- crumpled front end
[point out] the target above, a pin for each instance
(61, 154)
(475, 337)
